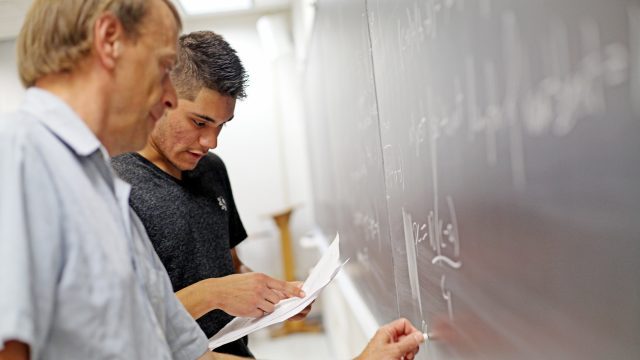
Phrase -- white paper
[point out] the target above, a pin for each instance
(321, 275)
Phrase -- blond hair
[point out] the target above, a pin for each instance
(57, 34)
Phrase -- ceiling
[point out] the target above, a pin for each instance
(13, 11)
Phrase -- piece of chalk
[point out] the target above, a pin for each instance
(426, 336)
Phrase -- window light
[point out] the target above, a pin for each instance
(204, 7)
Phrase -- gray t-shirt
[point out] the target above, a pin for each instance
(193, 224)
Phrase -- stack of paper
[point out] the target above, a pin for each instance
(321, 275)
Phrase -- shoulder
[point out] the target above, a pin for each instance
(130, 167)
(212, 161)
(18, 129)
(23, 140)
(124, 161)
(209, 165)
(13, 135)
(211, 174)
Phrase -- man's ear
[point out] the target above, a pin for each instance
(107, 37)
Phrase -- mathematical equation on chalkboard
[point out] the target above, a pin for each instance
(519, 89)
(440, 232)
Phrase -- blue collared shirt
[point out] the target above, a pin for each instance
(79, 278)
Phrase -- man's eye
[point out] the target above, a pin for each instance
(199, 123)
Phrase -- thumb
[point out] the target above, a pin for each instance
(409, 343)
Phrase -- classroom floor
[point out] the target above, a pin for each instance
(297, 346)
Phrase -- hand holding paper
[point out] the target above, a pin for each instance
(324, 271)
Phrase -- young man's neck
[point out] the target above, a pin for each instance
(151, 153)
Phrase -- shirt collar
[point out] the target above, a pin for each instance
(61, 120)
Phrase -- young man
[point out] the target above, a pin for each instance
(78, 276)
(182, 193)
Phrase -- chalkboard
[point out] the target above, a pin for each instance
(349, 181)
(481, 160)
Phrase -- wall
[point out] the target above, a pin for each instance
(11, 90)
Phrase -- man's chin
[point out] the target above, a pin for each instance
(189, 167)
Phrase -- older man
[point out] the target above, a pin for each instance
(78, 276)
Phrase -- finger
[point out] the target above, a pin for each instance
(266, 306)
(256, 313)
(306, 310)
(410, 343)
(297, 317)
(401, 327)
(295, 289)
(288, 288)
(272, 296)
(281, 295)
(408, 328)
(409, 356)
(301, 315)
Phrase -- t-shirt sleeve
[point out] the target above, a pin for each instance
(30, 243)
(237, 232)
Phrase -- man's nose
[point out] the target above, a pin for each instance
(209, 139)
(169, 95)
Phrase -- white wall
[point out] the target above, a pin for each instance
(11, 90)
(264, 147)
(302, 19)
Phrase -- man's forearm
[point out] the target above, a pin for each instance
(197, 299)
